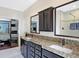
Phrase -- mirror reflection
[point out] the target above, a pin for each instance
(35, 24)
(67, 19)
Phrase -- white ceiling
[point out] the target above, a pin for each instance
(19, 5)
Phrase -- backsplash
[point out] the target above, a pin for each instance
(71, 42)
(58, 40)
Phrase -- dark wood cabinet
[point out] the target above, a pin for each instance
(24, 51)
(24, 48)
(38, 51)
(30, 49)
(46, 20)
(33, 50)
(30, 52)
(41, 21)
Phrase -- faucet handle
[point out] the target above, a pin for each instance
(63, 42)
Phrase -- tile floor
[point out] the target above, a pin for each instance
(11, 53)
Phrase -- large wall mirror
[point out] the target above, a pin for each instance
(67, 19)
(35, 24)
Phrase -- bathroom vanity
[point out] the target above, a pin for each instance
(32, 50)
(37, 46)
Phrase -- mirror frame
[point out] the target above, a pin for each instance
(55, 20)
(31, 23)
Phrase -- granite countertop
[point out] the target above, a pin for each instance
(46, 43)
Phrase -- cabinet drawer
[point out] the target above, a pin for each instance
(31, 44)
(32, 49)
(32, 56)
(43, 56)
(25, 42)
(46, 53)
(38, 52)
(38, 47)
(37, 56)
(32, 53)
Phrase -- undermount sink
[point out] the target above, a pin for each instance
(62, 49)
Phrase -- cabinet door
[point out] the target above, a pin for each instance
(48, 19)
(22, 50)
(38, 54)
(22, 46)
(25, 51)
(38, 51)
(41, 21)
(30, 53)
(31, 50)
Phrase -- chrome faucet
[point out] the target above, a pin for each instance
(62, 42)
